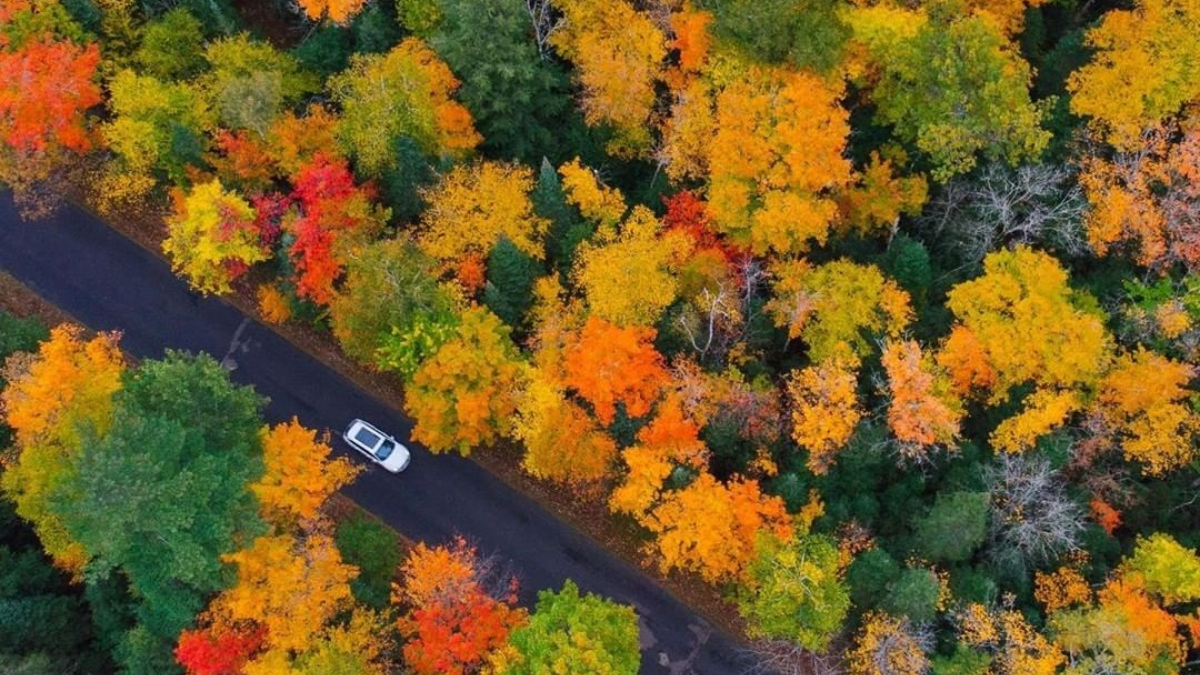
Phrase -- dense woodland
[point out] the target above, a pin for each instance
(880, 316)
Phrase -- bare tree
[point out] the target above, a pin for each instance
(1033, 519)
(544, 24)
(1034, 203)
(784, 657)
(723, 315)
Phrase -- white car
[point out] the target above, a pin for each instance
(381, 448)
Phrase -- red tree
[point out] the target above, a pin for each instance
(212, 652)
(334, 212)
(45, 88)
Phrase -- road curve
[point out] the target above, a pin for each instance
(110, 283)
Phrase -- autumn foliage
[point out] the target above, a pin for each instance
(454, 621)
(299, 472)
(607, 365)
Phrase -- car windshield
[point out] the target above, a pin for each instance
(385, 450)
(367, 437)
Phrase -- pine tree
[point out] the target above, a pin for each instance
(510, 276)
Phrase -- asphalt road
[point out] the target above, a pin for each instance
(110, 283)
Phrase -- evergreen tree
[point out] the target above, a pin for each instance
(510, 276)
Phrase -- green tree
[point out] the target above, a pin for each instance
(388, 283)
(16, 335)
(251, 82)
(595, 636)
(172, 47)
(913, 594)
(955, 526)
(804, 33)
(510, 276)
(374, 549)
(794, 591)
(958, 88)
(516, 97)
(164, 493)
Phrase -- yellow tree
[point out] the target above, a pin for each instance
(1021, 323)
(825, 411)
(473, 207)
(465, 394)
(835, 307)
(776, 160)
(299, 474)
(710, 527)
(403, 93)
(618, 54)
(1143, 403)
(598, 203)
(68, 385)
(631, 278)
(923, 411)
(561, 442)
(1126, 631)
(212, 238)
(887, 645)
(1143, 68)
(1015, 646)
(290, 587)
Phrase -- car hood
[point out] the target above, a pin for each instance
(398, 460)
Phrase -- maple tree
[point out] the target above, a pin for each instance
(607, 365)
(670, 439)
(475, 206)
(835, 306)
(1142, 402)
(1164, 568)
(212, 652)
(711, 527)
(334, 215)
(618, 54)
(405, 92)
(825, 411)
(629, 279)
(50, 396)
(465, 393)
(212, 238)
(878, 199)
(1125, 630)
(289, 586)
(923, 411)
(299, 474)
(294, 141)
(338, 11)
(561, 441)
(454, 622)
(1146, 198)
(1141, 70)
(776, 160)
(47, 88)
